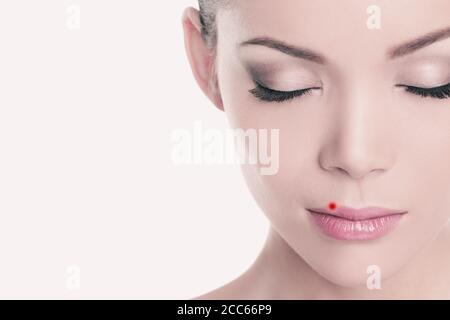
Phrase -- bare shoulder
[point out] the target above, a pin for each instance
(223, 293)
(237, 289)
(229, 291)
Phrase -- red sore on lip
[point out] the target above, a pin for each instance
(332, 205)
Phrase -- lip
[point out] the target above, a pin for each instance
(346, 223)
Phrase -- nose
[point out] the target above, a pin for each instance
(359, 141)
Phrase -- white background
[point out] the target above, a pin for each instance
(86, 177)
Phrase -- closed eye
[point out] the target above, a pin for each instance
(441, 92)
(270, 95)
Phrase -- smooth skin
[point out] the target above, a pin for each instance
(360, 140)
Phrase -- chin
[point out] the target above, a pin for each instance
(351, 265)
(352, 277)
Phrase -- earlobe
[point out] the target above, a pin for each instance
(201, 58)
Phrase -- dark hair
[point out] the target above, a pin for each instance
(208, 11)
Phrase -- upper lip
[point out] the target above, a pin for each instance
(354, 214)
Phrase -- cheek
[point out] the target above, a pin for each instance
(299, 133)
(281, 196)
(426, 154)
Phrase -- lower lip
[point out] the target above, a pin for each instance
(344, 229)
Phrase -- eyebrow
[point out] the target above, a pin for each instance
(288, 49)
(307, 54)
(419, 43)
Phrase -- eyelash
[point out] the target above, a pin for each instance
(442, 92)
(269, 95)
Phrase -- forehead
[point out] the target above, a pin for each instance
(332, 27)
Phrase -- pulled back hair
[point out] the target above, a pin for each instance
(208, 12)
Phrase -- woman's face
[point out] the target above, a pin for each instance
(369, 132)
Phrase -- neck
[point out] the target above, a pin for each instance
(282, 274)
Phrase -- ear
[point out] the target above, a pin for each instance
(201, 58)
